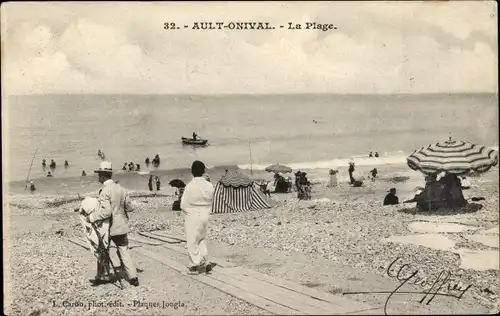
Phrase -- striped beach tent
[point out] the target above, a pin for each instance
(236, 192)
(456, 157)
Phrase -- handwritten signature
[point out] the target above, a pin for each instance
(444, 284)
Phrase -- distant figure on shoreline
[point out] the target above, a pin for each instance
(376, 154)
(156, 161)
(150, 183)
(315, 122)
(66, 164)
(158, 183)
(52, 164)
(351, 171)
(370, 155)
(30, 186)
(124, 168)
(131, 166)
(49, 174)
(146, 161)
(84, 173)
(44, 164)
(391, 198)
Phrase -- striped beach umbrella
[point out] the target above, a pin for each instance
(456, 157)
(278, 168)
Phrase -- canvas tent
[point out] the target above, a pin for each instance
(236, 192)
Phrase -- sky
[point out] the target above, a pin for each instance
(378, 47)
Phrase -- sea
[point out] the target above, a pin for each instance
(304, 131)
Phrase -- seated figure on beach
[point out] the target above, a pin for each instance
(49, 174)
(333, 178)
(84, 173)
(391, 198)
(376, 154)
(453, 191)
(357, 179)
(304, 189)
(371, 154)
(435, 195)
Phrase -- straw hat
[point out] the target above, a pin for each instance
(104, 166)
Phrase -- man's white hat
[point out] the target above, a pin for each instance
(104, 166)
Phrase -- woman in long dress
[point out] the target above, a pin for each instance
(196, 203)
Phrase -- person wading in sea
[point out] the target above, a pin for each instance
(114, 204)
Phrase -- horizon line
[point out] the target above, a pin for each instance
(254, 94)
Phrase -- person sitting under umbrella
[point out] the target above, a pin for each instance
(452, 192)
(180, 185)
(304, 190)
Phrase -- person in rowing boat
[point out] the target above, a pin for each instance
(194, 136)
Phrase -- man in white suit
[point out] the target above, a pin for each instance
(113, 204)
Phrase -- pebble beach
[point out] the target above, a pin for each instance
(343, 225)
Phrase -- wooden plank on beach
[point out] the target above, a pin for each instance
(313, 293)
(182, 250)
(147, 241)
(79, 242)
(300, 301)
(277, 295)
(223, 286)
(159, 238)
(162, 233)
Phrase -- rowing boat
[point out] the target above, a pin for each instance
(190, 141)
